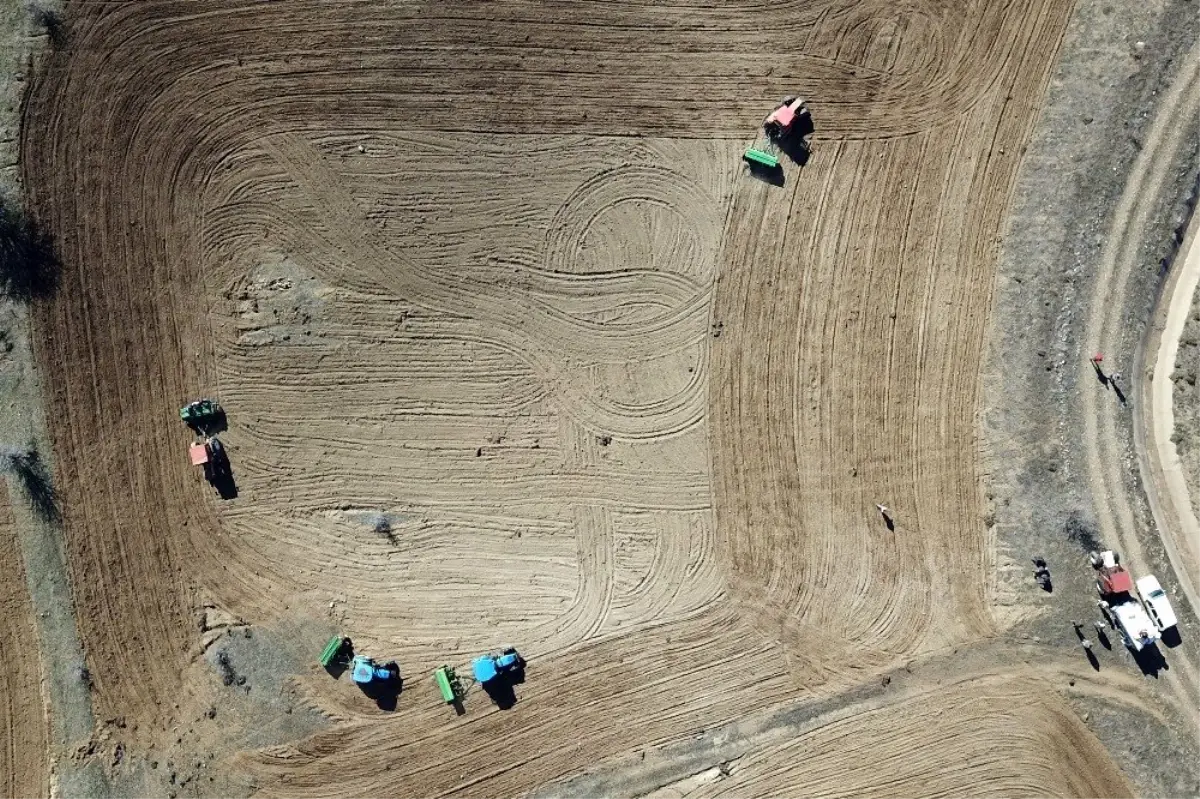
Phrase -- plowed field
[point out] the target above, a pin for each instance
(24, 748)
(940, 743)
(513, 351)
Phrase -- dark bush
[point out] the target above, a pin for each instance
(29, 269)
(34, 479)
(50, 21)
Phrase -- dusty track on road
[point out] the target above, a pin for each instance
(498, 371)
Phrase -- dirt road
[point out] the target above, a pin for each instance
(1171, 496)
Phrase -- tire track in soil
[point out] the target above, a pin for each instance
(943, 742)
(239, 105)
(1103, 444)
(25, 747)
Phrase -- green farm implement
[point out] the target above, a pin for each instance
(335, 652)
(450, 687)
(761, 159)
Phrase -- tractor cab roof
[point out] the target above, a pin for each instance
(484, 669)
(783, 116)
(1116, 581)
(198, 453)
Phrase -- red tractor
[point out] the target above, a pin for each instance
(789, 118)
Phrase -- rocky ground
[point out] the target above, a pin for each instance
(1116, 63)
(1187, 400)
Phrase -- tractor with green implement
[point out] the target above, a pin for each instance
(785, 128)
(201, 413)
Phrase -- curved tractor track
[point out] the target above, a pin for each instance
(943, 742)
(498, 371)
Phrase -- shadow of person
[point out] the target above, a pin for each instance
(1091, 656)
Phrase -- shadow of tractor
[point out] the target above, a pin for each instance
(501, 689)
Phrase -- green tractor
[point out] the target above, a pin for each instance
(200, 412)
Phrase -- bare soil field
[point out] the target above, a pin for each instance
(945, 742)
(514, 352)
(24, 748)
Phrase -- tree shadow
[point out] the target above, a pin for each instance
(50, 21)
(29, 267)
(38, 485)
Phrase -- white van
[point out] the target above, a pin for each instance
(1156, 602)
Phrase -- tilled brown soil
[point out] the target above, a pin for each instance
(513, 352)
(25, 747)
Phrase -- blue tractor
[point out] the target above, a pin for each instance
(489, 667)
(365, 671)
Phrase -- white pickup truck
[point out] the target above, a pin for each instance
(1156, 602)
